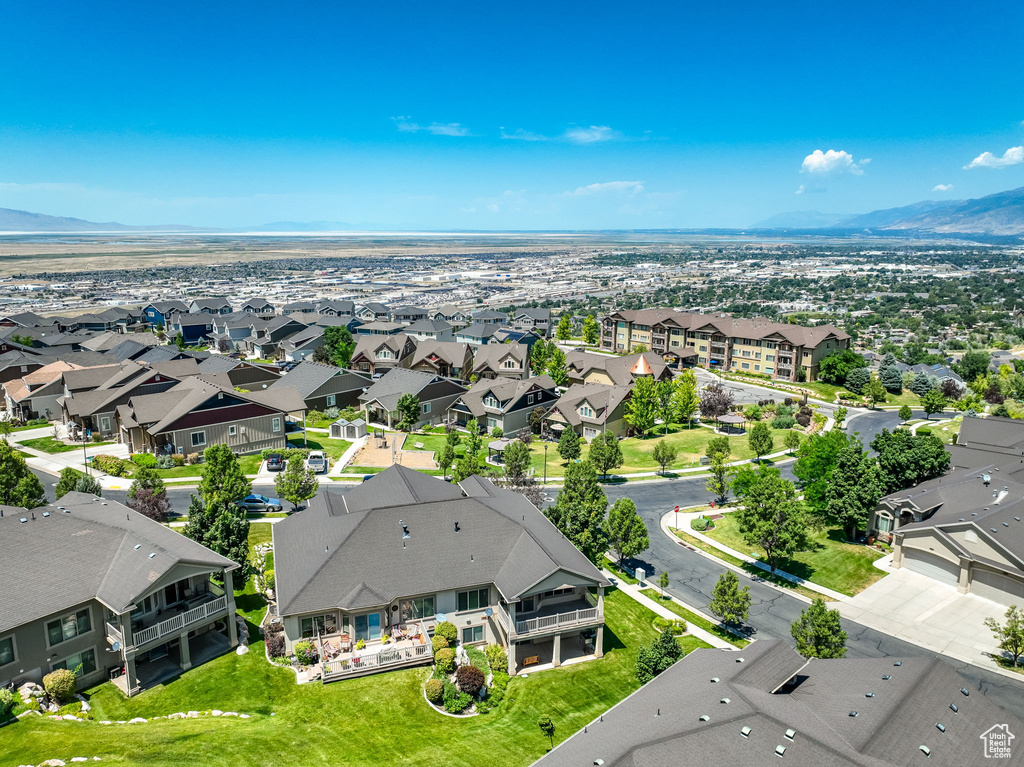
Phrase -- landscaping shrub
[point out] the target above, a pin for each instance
(701, 524)
(440, 643)
(470, 679)
(445, 660)
(332, 414)
(60, 685)
(497, 433)
(305, 653)
(479, 659)
(804, 419)
(784, 410)
(112, 465)
(674, 627)
(783, 422)
(455, 702)
(497, 658)
(435, 690)
(146, 460)
(97, 437)
(193, 458)
(447, 630)
(495, 692)
(316, 415)
(923, 430)
(275, 644)
(296, 452)
(6, 700)
(788, 401)
(269, 580)
(167, 462)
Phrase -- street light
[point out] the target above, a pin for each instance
(545, 463)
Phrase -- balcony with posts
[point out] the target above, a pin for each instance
(197, 610)
(553, 616)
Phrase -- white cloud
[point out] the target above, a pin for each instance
(592, 135)
(832, 161)
(942, 187)
(523, 135)
(811, 189)
(633, 187)
(1012, 156)
(438, 129)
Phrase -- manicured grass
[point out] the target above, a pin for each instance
(259, 532)
(373, 720)
(249, 464)
(333, 448)
(832, 562)
(749, 568)
(696, 620)
(620, 573)
(53, 445)
(823, 390)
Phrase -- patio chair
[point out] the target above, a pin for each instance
(346, 642)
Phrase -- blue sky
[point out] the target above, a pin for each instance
(495, 116)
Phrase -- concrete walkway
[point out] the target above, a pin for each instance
(347, 456)
(685, 519)
(659, 609)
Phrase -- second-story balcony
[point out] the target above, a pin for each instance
(552, 617)
(201, 609)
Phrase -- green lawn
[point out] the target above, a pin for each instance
(823, 390)
(637, 454)
(250, 464)
(53, 445)
(333, 448)
(371, 721)
(833, 563)
(696, 620)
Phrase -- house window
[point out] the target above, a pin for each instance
(529, 399)
(198, 438)
(232, 430)
(319, 624)
(492, 424)
(417, 608)
(86, 660)
(384, 354)
(491, 401)
(472, 634)
(884, 524)
(586, 411)
(509, 364)
(68, 627)
(330, 400)
(145, 606)
(426, 408)
(589, 433)
(6, 651)
(276, 424)
(745, 365)
(476, 599)
(105, 423)
(367, 627)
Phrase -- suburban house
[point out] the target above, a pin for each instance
(159, 312)
(478, 333)
(591, 409)
(258, 306)
(436, 395)
(538, 320)
(373, 312)
(504, 360)
(767, 706)
(964, 529)
(991, 441)
(407, 315)
(488, 316)
(299, 307)
(132, 600)
(301, 345)
(430, 330)
(586, 367)
(450, 314)
(324, 386)
(22, 320)
(380, 328)
(194, 327)
(376, 354)
(265, 337)
(201, 411)
(724, 342)
(504, 403)
(37, 394)
(345, 309)
(229, 331)
(209, 306)
(483, 558)
(15, 363)
(444, 358)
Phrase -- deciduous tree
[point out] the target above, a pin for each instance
(296, 483)
(761, 440)
(906, 459)
(591, 332)
(773, 517)
(564, 329)
(853, 489)
(816, 459)
(875, 391)
(339, 344)
(656, 657)
(408, 408)
(1010, 634)
(665, 454)
(715, 400)
(605, 453)
(516, 460)
(905, 413)
(642, 406)
(685, 401)
(569, 445)
(18, 485)
(729, 602)
(933, 402)
(579, 510)
(627, 533)
(818, 632)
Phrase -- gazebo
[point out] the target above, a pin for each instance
(496, 450)
(733, 422)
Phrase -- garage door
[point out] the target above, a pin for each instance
(928, 564)
(997, 587)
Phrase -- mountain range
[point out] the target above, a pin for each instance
(24, 221)
(1001, 213)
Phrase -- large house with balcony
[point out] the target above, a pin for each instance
(404, 551)
(724, 342)
(131, 600)
(378, 354)
(503, 403)
(591, 409)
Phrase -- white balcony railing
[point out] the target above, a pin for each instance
(548, 622)
(382, 658)
(114, 633)
(178, 622)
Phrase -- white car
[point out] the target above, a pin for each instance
(317, 461)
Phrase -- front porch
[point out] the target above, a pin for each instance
(168, 661)
(552, 652)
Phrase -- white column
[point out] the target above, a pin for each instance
(185, 651)
(511, 658)
(229, 595)
(129, 672)
(599, 642)
(556, 651)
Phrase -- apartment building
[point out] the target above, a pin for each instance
(723, 342)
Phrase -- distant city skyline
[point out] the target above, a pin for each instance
(468, 117)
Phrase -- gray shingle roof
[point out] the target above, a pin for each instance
(398, 381)
(51, 563)
(308, 376)
(347, 552)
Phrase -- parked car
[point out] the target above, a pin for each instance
(317, 462)
(261, 503)
(275, 462)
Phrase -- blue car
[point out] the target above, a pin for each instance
(261, 503)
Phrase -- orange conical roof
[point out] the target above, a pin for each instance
(642, 367)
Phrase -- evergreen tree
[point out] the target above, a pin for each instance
(90, 485)
(685, 401)
(642, 406)
(68, 479)
(921, 385)
(564, 329)
(857, 379)
(591, 331)
(627, 533)
(773, 517)
(818, 632)
(557, 368)
(933, 402)
(516, 460)
(569, 445)
(197, 525)
(665, 454)
(18, 485)
(605, 453)
(761, 440)
(408, 411)
(853, 490)
(296, 483)
(729, 602)
(891, 378)
(579, 510)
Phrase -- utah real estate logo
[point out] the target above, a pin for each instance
(997, 741)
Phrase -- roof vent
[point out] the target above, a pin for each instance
(46, 513)
(724, 700)
(940, 727)
(855, 713)
(965, 691)
(1016, 519)
(790, 734)
(887, 677)
(23, 520)
(740, 660)
(780, 751)
(974, 513)
(992, 529)
(869, 695)
(714, 679)
(456, 527)
(152, 555)
(405, 531)
(898, 663)
(954, 708)
(138, 546)
(745, 732)
(925, 750)
(1006, 524)
(705, 718)
(986, 478)
(599, 762)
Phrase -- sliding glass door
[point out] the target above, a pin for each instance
(367, 627)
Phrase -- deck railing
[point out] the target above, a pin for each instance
(178, 622)
(384, 657)
(547, 622)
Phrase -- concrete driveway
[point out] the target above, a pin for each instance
(927, 613)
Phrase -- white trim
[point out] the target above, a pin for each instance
(192, 438)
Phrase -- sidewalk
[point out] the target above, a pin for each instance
(347, 457)
(685, 518)
(664, 612)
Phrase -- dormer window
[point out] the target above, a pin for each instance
(490, 401)
(384, 354)
(509, 364)
(586, 410)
